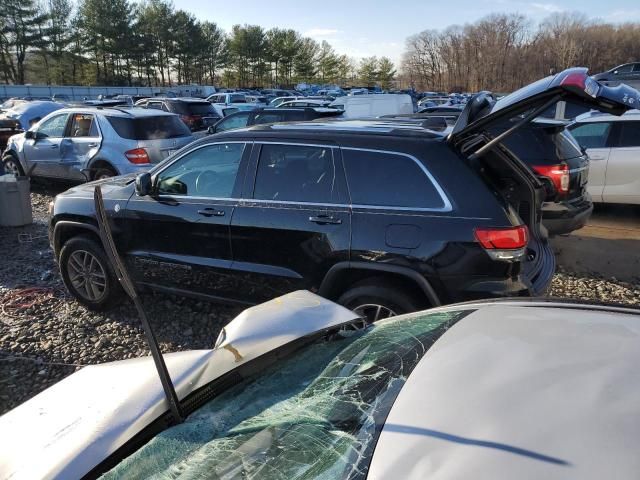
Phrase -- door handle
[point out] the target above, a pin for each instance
(92, 145)
(596, 157)
(55, 145)
(211, 212)
(325, 220)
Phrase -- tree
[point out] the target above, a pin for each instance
(304, 62)
(386, 72)
(368, 72)
(20, 31)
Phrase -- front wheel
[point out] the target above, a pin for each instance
(375, 302)
(87, 274)
(12, 165)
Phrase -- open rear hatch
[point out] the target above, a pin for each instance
(522, 192)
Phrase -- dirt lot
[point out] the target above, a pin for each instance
(45, 335)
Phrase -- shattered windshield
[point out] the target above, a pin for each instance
(315, 414)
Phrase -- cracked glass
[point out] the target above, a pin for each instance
(316, 413)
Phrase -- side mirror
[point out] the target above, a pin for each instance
(615, 72)
(30, 135)
(144, 185)
(211, 129)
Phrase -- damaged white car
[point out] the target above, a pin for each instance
(299, 388)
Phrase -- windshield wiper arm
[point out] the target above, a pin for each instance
(125, 280)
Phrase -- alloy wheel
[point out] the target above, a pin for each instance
(373, 312)
(12, 167)
(87, 275)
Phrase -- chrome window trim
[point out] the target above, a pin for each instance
(246, 202)
(447, 207)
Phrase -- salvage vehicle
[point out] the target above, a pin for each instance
(87, 143)
(196, 113)
(613, 145)
(222, 102)
(21, 116)
(270, 115)
(297, 388)
(383, 218)
(358, 106)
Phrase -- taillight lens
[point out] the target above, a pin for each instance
(138, 156)
(583, 82)
(558, 174)
(512, 238)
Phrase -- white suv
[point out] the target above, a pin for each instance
(613, 146)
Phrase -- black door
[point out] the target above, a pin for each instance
(297, 223)
(178, 237)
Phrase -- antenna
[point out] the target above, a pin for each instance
(124, 279)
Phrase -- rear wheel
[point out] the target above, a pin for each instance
(87, 274)
(375, 301)
(12, 165)
(105, 172)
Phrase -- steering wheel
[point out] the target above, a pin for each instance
(207, 183)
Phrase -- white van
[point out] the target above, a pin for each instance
(360, 106)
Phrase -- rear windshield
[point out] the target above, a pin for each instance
(316, 413)
(194, 108)
(542, 146)
(149, 128)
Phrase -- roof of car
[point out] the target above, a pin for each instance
(520, 390)
(595, 116)
(123, 111)
(336, 126)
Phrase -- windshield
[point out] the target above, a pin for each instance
(315, 414)
(149, 128)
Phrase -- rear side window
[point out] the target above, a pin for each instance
(388, 179)
(296, 173)
(591, 135)
(629, 134)
(192, 108)
(149, 128)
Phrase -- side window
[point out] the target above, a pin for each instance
(629, 134)
(591, 135)
(636, 68)
(624, 69)
(210, 171)
(230, 123)
(83, 125)
(53, 127)
(155, 105)
(296, 173)
(388, 180)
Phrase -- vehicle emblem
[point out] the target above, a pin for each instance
(117, 207)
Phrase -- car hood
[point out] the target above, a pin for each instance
(108, 185)
(73, 426)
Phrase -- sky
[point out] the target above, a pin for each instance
(366, 28)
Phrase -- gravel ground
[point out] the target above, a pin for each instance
(42, 343)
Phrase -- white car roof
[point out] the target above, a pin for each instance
(594, 116)
(517, 392)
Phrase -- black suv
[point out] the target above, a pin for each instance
(261, 116)
(383, 218)
(196, 113)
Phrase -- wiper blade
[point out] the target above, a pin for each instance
(125, 280)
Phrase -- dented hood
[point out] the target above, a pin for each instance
(74, 425)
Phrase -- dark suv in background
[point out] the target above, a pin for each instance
(196, 113)
(271, 115)
(383, 218)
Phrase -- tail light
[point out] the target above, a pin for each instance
(190, 120)
(558, 174)
(582, 82)
(138, 156)
(503, 243)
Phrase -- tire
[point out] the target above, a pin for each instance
(12, 165)
(76, 261)
(364, 298)
(105, 172)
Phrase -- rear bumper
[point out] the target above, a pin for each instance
(519, 285)
(565, 217)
